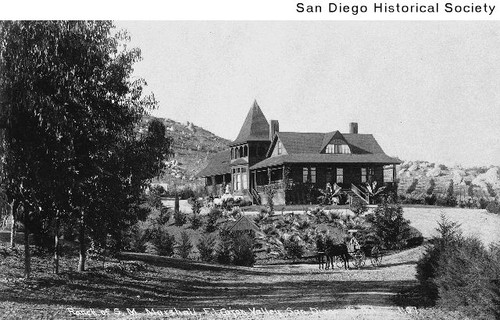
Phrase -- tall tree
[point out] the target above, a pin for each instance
(69, 106)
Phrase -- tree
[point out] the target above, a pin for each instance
(389, 224)
(69, 107)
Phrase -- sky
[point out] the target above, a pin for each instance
(426, 90)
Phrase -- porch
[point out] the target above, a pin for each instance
(302, 183)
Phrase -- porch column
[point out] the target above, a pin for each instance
(393, 173)
(269, 175)
(214, 185)
(223, 183)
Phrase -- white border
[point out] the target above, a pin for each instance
(226, 10)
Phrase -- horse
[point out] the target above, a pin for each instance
(336, 250)
(320, 249)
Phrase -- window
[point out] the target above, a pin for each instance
(309, 175)
(244, 184)
(337, 148)
(366, 174)
(329, 175)
(388, 174)
(280, 147)
(340, 175)
(240, 179)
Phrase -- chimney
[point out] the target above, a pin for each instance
(274, 126)
(353, 127)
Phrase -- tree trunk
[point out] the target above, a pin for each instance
(176, 203)
(13, 226)
(56, 245)
(81, 239)
(27, 257)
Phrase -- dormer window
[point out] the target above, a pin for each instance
(337, 148)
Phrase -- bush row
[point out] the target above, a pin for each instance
(459, 273)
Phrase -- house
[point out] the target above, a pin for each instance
(294, 163)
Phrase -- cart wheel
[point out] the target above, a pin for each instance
(376, 257)
(359, 259)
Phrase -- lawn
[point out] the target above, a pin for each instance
(474, 222)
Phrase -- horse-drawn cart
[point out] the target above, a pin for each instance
(359, 257)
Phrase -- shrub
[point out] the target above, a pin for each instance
(261, 216)
(358, 206)
(293, 249)
(389, 224)
(470, 190)
(206, 248)
(493, 207)
(270, 191)
(185, 245)
(491, 191)
(458, 273)
(164, 216)
(483, 203)
(137, 237)
(430, 199)
(430, 189)
(414, 238)
(162, 241)
(214, 215)
(179, 218)
(443, 167)
(412, 186)
(242, 247)
(196, 221)
(223, 251)
(195, 205)
(450, 200)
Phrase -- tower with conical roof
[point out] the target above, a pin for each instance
(249, 147)
(255, 127)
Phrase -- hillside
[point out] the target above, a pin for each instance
(478, 182)
(192, 145)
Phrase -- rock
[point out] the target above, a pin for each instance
(436, 172)
(413, 167)
(491, 177)
(458, 176)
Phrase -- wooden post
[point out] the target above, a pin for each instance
(269, 175)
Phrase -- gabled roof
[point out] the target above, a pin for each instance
(308, 142)
(332, 137)
(244, 224)
(255, 127)
(218, 164)
(301, 142)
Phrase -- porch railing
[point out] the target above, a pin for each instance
(362, 195)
